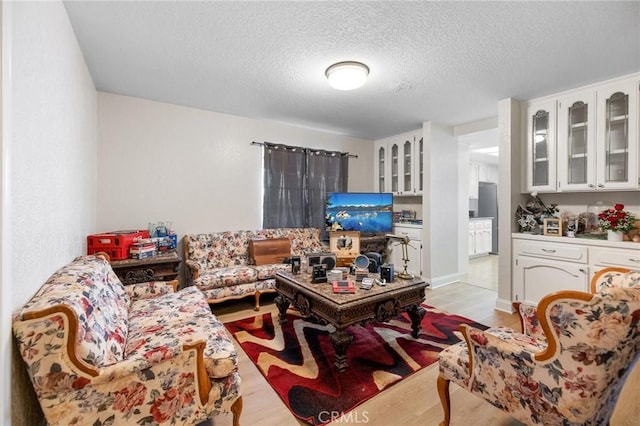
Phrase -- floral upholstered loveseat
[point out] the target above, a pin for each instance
(568, 365)
(218, 263)
(99, 353)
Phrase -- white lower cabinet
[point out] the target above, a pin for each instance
(538, 277)
(603, 257)
(414, 250)
(480, 237)
(543, 265)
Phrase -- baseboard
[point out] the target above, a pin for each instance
(445, 280)
(504, 306)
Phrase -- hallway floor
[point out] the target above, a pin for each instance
(483, 272)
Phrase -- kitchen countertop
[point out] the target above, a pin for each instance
(408, 225)
(577, 241)
(481, 218)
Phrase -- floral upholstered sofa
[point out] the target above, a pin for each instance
(100, 353)
(218, 263)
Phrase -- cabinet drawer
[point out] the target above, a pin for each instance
(412, 233)
(557, 251)
(485, 224)
(615, 257)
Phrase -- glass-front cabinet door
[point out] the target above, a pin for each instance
(576, 142)
(617, 137)
(541, 146)
(381, 169)
(381, 166)
(407, 166)
(395, 167)
(419, 162)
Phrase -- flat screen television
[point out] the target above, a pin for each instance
(367, 212)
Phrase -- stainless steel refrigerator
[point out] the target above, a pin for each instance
(488, 207)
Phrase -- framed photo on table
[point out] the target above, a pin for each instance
(552, 227)
(345, 243)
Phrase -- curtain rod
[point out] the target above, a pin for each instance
(300, 147)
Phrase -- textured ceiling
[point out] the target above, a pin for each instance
(448, 62)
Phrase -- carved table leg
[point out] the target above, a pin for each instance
(416, 313)
(282, 304)
(341, 340)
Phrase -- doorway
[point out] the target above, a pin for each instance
(480, 154)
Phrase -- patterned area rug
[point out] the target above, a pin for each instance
(297, 358)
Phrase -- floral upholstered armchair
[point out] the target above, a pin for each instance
(569, 364)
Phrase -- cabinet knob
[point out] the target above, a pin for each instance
(590, 185)
(600, 185)
(582, 270)
(634, 260)
(548, 250)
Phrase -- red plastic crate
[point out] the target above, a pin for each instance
(116, 244)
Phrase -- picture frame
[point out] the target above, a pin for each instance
(344, 243)
(552, 227)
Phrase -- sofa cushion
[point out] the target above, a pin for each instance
(90, 288)
(159, 327)
(225, 277)
(454, 360)
(614, 279)
(303, 240)
(219, 249)
(454, 363)
(237, 291)
(269, 271)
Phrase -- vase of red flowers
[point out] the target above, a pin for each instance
(615, 235)
(616, 222)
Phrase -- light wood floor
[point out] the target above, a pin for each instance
(483, 272)
(413, 401)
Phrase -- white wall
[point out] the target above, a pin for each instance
(163, 162)
(510, 174)
(49, 166)
(464, 205)
(5, 290)
(441, 205)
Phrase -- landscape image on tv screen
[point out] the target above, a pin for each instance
(367, 212)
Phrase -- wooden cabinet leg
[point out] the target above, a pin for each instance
(236, 409)
(445, 400)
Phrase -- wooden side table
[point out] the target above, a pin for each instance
(162, 267)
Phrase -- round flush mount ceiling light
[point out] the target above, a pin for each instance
(347, 75)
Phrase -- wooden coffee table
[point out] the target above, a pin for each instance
(380, 304)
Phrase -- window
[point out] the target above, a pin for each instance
(296, 183)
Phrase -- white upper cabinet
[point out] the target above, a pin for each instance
(577, 141)
(541, 146)
(399, 164)
(597, 139)
(474, 178)
(617, 133)
(419, 164)
(381, 166)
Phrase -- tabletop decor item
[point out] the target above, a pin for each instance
(616, 222)
(531, 217)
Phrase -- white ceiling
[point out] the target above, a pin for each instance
(448, 62)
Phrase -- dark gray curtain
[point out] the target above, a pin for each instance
(296, 183)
